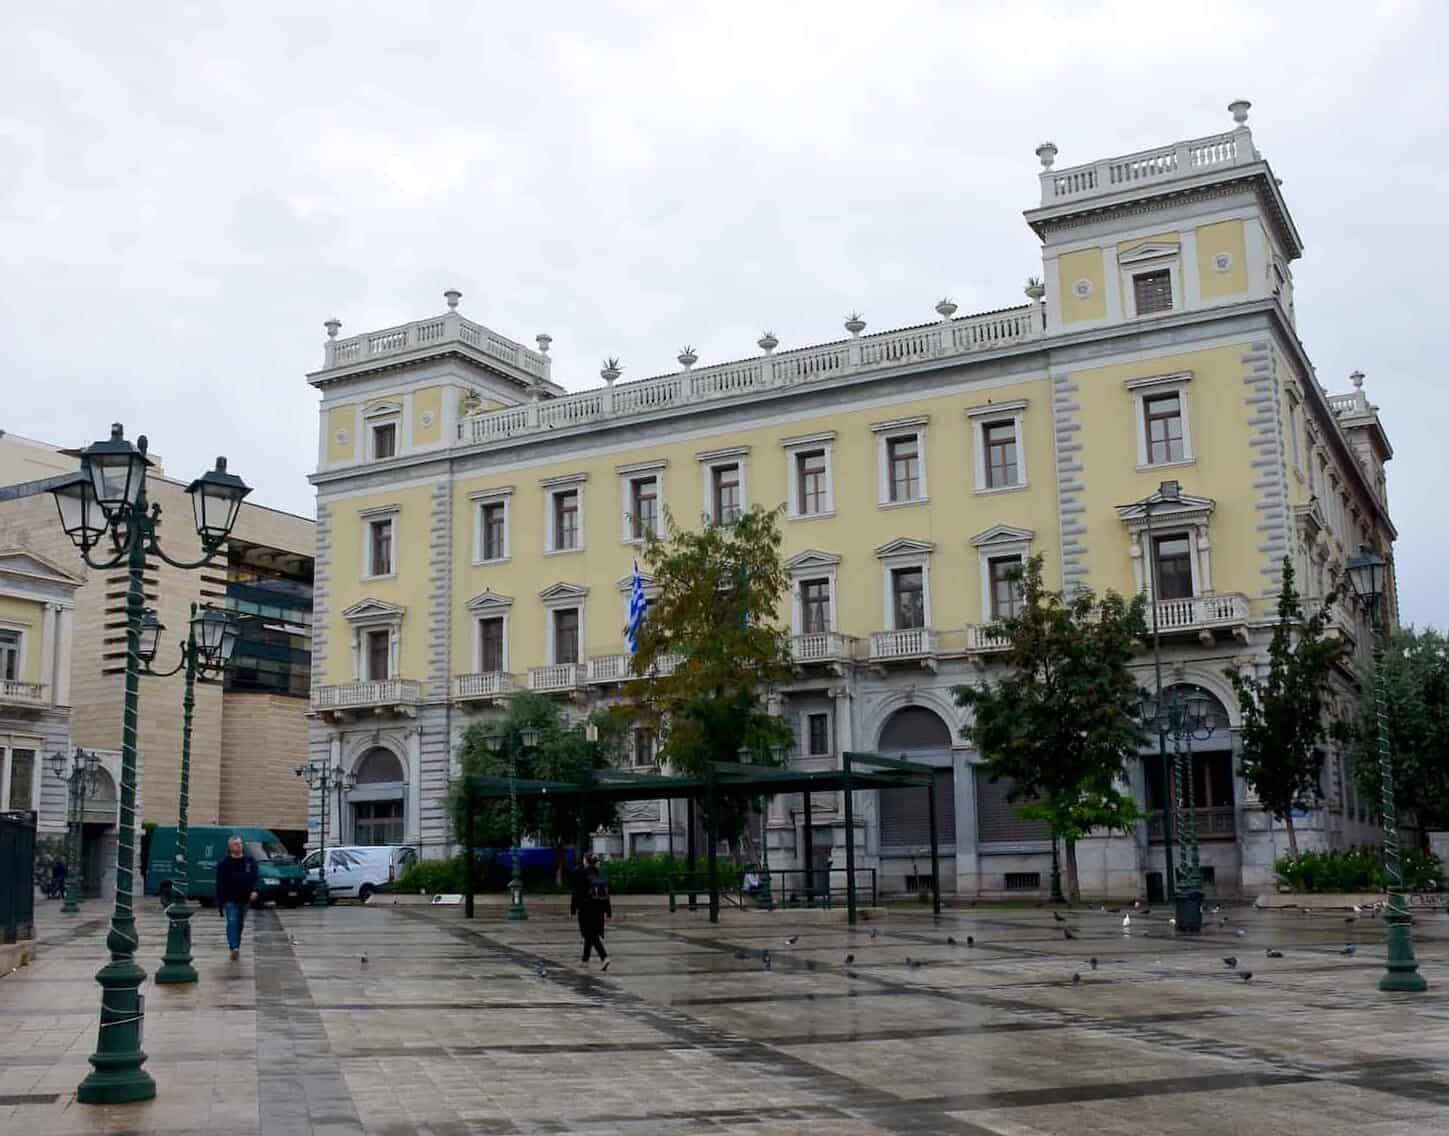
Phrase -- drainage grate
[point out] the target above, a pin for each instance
(28, 1098)
(1023, 881)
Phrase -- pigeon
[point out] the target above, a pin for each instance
(1217, 907)
(1112, 910)
(1349, 950)
(362, 959)
(792, 940)
(1057, 915)
(1240, 933)
(1230, 961)
(970, 940)
(950, 941)
(1126, 922)
(1067, 931)
(1245, 975)
(542, 971)
(1357, 909)
(1273, 954)
(1147, 911)
(849, 959)
(292, 939)
(1093, 961)
(765, 958)
(1076, 980)
(1136, 903)
(1351, 919)
(914, 963)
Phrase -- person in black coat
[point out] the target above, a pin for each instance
(236, 890)
(590, 902)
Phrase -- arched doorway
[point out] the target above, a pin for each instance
(378, 800)
(904, 821)
(1213, 793)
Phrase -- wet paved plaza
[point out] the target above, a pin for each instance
(452, 1027)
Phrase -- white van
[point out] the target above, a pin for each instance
(357, 871)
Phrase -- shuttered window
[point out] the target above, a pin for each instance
(905, 821)
(996, 817)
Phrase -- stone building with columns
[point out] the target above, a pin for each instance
(1148, 420)
(249, 733)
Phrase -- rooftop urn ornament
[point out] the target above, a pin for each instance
(544, 340)
(854, 324)
(687, 357)
(945, 307)
(333, 326)
(611, 370)
(1047, 152)
(1356, 378)
(452, 295)
(1034, 289)
(1239, 109)
(768, 342)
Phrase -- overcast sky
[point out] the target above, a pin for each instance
(188, 191)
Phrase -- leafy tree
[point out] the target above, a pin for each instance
(720, 589)
(1415, 678)
(562, 753)
(716, 617)
(1284, 720)
(1064, 720)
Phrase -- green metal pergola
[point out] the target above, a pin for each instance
(724, 779)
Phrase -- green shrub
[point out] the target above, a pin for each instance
(650, 875)
(1355, 870)
(432, 877)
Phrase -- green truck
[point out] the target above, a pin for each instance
(280, 878)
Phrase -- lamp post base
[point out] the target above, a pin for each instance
(176, 968)
(71, 906)
(516, 911)
(1187, 910)
(117, 1076)
(1401, 975)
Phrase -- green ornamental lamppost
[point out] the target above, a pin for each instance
(80, 784)
(528, 738)
(748, 756)
(1183, 718)
(211, 635)
(108, 498)
(1368, 572)
(318, 776)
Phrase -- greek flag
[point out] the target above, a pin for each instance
(638, 608)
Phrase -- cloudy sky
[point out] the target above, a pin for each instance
(188, 191)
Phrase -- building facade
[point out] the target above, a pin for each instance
(477, 524)
(249, 732)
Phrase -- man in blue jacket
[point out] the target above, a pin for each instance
(236, 890)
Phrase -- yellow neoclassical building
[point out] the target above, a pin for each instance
(1147, 416)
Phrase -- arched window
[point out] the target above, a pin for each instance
(377, 802)
(379, 766)
(905, 823)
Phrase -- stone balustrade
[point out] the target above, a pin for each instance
(557, 677)
(22, 694)
(430, 334)
(822, 647)
(483, 686)
(909, 643)
(386, 692)
(980, 638)
(1196, 613)
(1162, 164)
(782, 369)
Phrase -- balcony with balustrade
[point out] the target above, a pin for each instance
(983, 639)
(1206, 617)
(484, 687)
(23, 697)
(558, 678)
(912, 645)
(829, 649)
(388, 696)
(1220, 822)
